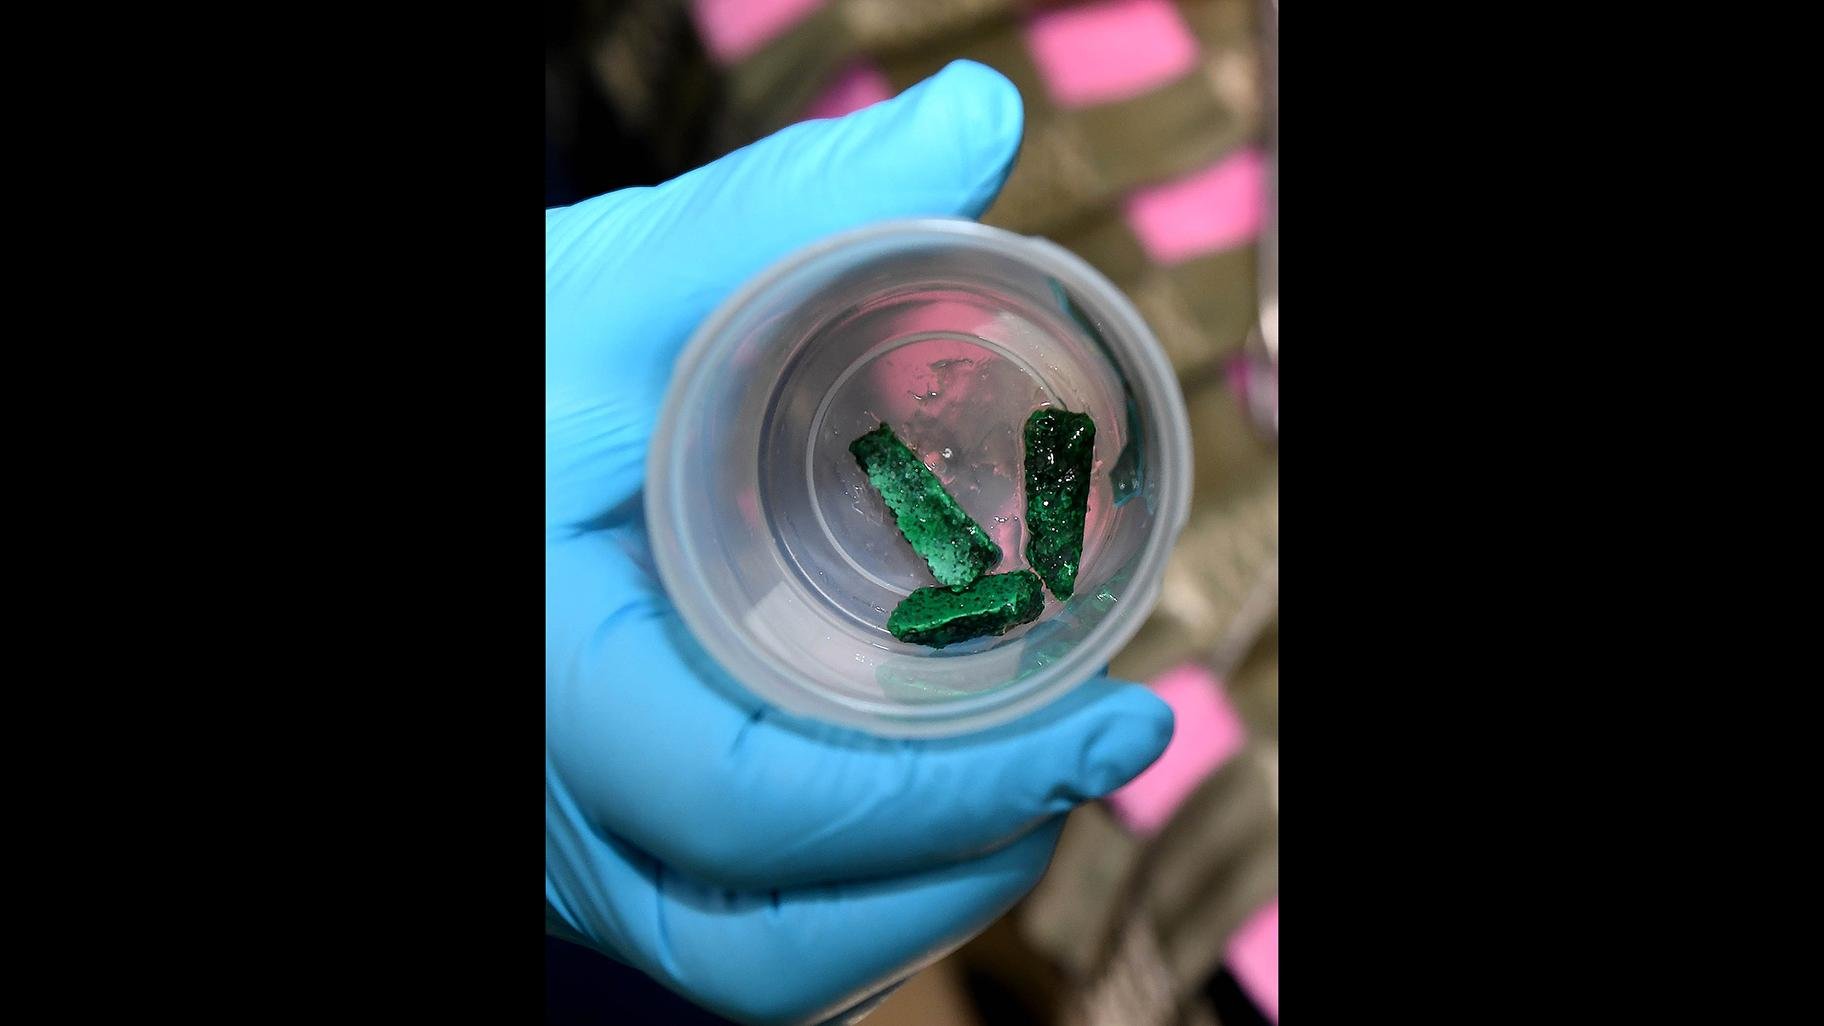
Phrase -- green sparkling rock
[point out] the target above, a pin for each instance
(955, 548)
(944, 616)
(1060, 449)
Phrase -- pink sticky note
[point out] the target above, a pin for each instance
(858, 86)
(1205, 211)
(1112, 50)
(1208, 732)
(734, 29)
(1253, 958)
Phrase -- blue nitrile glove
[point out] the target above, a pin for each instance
(770, 869)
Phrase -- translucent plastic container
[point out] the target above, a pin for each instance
(785, 563)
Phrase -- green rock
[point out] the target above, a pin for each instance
(955, 547)
(944, 616)
(1060, 449)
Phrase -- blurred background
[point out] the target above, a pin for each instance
(1150, 150)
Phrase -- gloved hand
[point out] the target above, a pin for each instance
(771, 869)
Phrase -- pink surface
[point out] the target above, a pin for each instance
(1205, 211)
(907, 385)
(748, 501)
(1112, 50)
(1253, 957)
(862, 85)
(1207, 733)
(733, 29)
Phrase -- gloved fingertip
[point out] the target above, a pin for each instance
(986, 105)
(981, 112)
(1133, 730)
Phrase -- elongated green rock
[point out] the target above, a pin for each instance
(1060, 449)
(944, 616)
(955, 548)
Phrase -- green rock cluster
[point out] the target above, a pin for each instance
(968, 602)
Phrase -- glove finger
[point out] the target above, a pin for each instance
(658, 746)
(793, 956)
(629, 275)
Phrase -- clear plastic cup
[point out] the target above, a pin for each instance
(783, 560)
